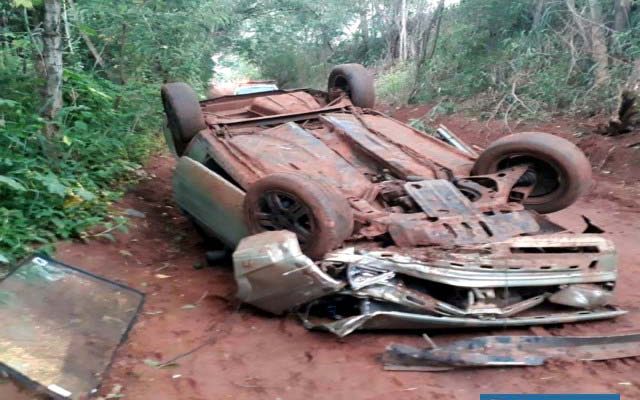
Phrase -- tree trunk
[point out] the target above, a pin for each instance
(52, 52)
(578, 21)
(403, 30)
(621, 21)
(87, 40)
(538, 12)
(599, 44)
(627, 114)
(67, 31)
(364, 28)
(434, 41)
(427, 50)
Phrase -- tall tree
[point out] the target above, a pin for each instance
(428, 47)
(538, 12)
(599, 44)
(403, 30)
(52, 52)
(621, 19)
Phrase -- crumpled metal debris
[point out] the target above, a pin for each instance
(501, 351)
(503, 284)
(273, 274)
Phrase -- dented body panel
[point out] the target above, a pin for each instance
(275, 257)
(210, 199)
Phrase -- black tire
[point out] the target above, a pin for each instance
(563, 172)
(319, 215)
(356, 81)
(184, 116)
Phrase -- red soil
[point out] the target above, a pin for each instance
(247, 354)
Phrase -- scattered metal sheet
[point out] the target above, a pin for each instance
(273, 274)
(62, 326)
(500, 351)
(439, 198)
(451, 138)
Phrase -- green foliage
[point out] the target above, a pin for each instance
(490, 51)
(292, 41)
(155, 40)
(394, 85)
(63, 186)
(58, 188)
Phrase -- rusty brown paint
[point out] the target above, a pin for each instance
(358, 152)
(401, 201)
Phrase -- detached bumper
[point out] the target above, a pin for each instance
(380, 319)
(545, 279)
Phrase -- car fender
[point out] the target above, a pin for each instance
(212, 200)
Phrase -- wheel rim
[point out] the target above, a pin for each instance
(279, 210)
(549, 181)
(341, 82)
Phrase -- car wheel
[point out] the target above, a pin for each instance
(184, 116)
(319, 215)
(561, 169)
(355, 81)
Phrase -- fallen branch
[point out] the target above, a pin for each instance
(515, 96)
(87, 40)
(606, 157)
(226, 323)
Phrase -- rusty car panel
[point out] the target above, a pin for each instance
(502, 351)
(289, 147)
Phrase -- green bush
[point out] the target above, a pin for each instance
(58, 188)
(394, 85)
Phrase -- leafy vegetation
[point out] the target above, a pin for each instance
(59, 187)
(62, 185)
(527, 57)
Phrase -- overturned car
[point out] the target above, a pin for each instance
(357, 220)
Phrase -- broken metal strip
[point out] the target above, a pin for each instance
(405, 320)
(280, 118)
(478, 278)
(497, 351)
(452, 139)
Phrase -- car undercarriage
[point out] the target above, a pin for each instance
(355, 220)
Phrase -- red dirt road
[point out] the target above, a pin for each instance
(246, 354)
